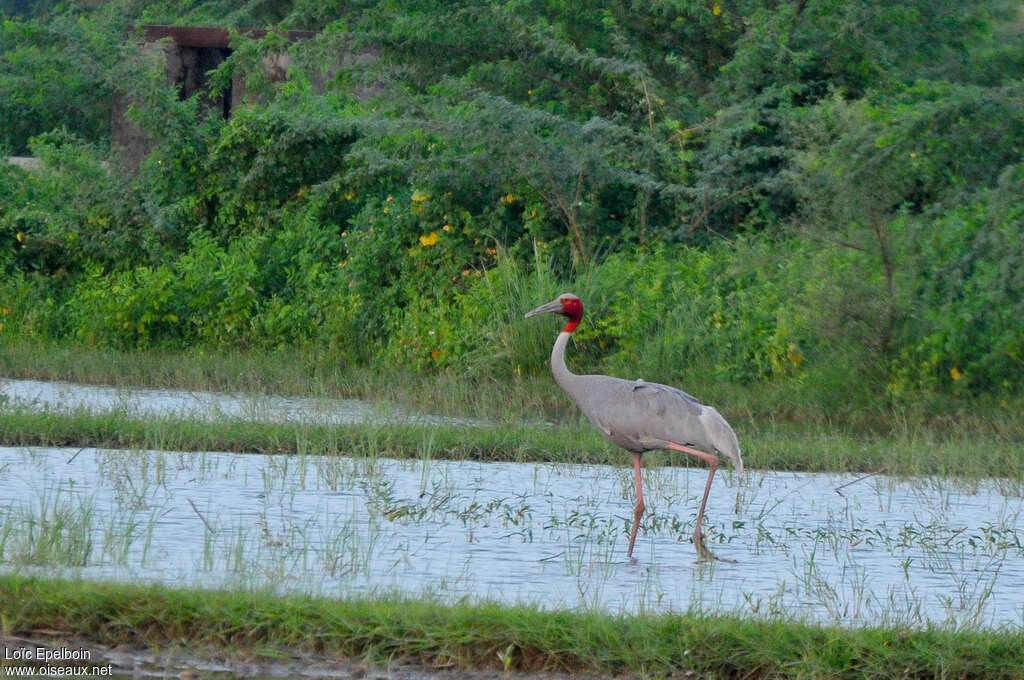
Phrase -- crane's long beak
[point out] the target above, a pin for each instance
(553, 307)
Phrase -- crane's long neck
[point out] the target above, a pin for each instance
(565, 378)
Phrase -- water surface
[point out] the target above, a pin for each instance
(66, 397)
(827, 548)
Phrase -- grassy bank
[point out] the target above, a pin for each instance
(117, 430)
(971, 441)
(775, 446)
(483, 636)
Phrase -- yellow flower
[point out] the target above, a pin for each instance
(955, 373)
(716, 10)
(350, 195)
(420, 196)
(913, 154)
(430, 239)
(447, 227)
(389, 199)
(509, 198)
(21, 237)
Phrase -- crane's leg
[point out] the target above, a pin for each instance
(638, 511)
(698, 535)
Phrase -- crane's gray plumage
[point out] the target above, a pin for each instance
(640, 416)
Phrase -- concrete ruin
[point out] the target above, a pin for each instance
(189, 55)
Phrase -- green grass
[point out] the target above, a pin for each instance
(290, 372)
(116, 430)
(487, 636)
(776, 446)
(496, 396)
(957, 439)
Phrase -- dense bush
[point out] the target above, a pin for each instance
(48, 82)
(967, 332)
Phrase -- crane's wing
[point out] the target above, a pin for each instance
(641, 416)
(668, 396)
(633, 414)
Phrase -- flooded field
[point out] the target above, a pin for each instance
(828, 548)
(840, 549)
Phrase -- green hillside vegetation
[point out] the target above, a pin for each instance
(815, 202)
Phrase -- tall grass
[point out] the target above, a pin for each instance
(823, 417)
(56, 531)
(694, 319)
(512, 289)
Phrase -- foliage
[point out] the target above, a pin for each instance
(968, 336)
(49, 79)
(74, 211)
(894, 186)
(824, 196)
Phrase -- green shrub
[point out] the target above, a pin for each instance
(967, 336)
(743, 195)
(71, 211)
(128, 309)
(28, 310)
(263, 159)
(47, 81)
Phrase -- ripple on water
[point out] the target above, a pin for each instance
(906, 552)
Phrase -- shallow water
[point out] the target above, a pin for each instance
(67, 397)
(827, 548)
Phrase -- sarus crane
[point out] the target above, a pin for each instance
(641, 416)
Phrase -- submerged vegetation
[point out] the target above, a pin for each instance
(853, 550)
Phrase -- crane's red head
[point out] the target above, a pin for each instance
(566, 304)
